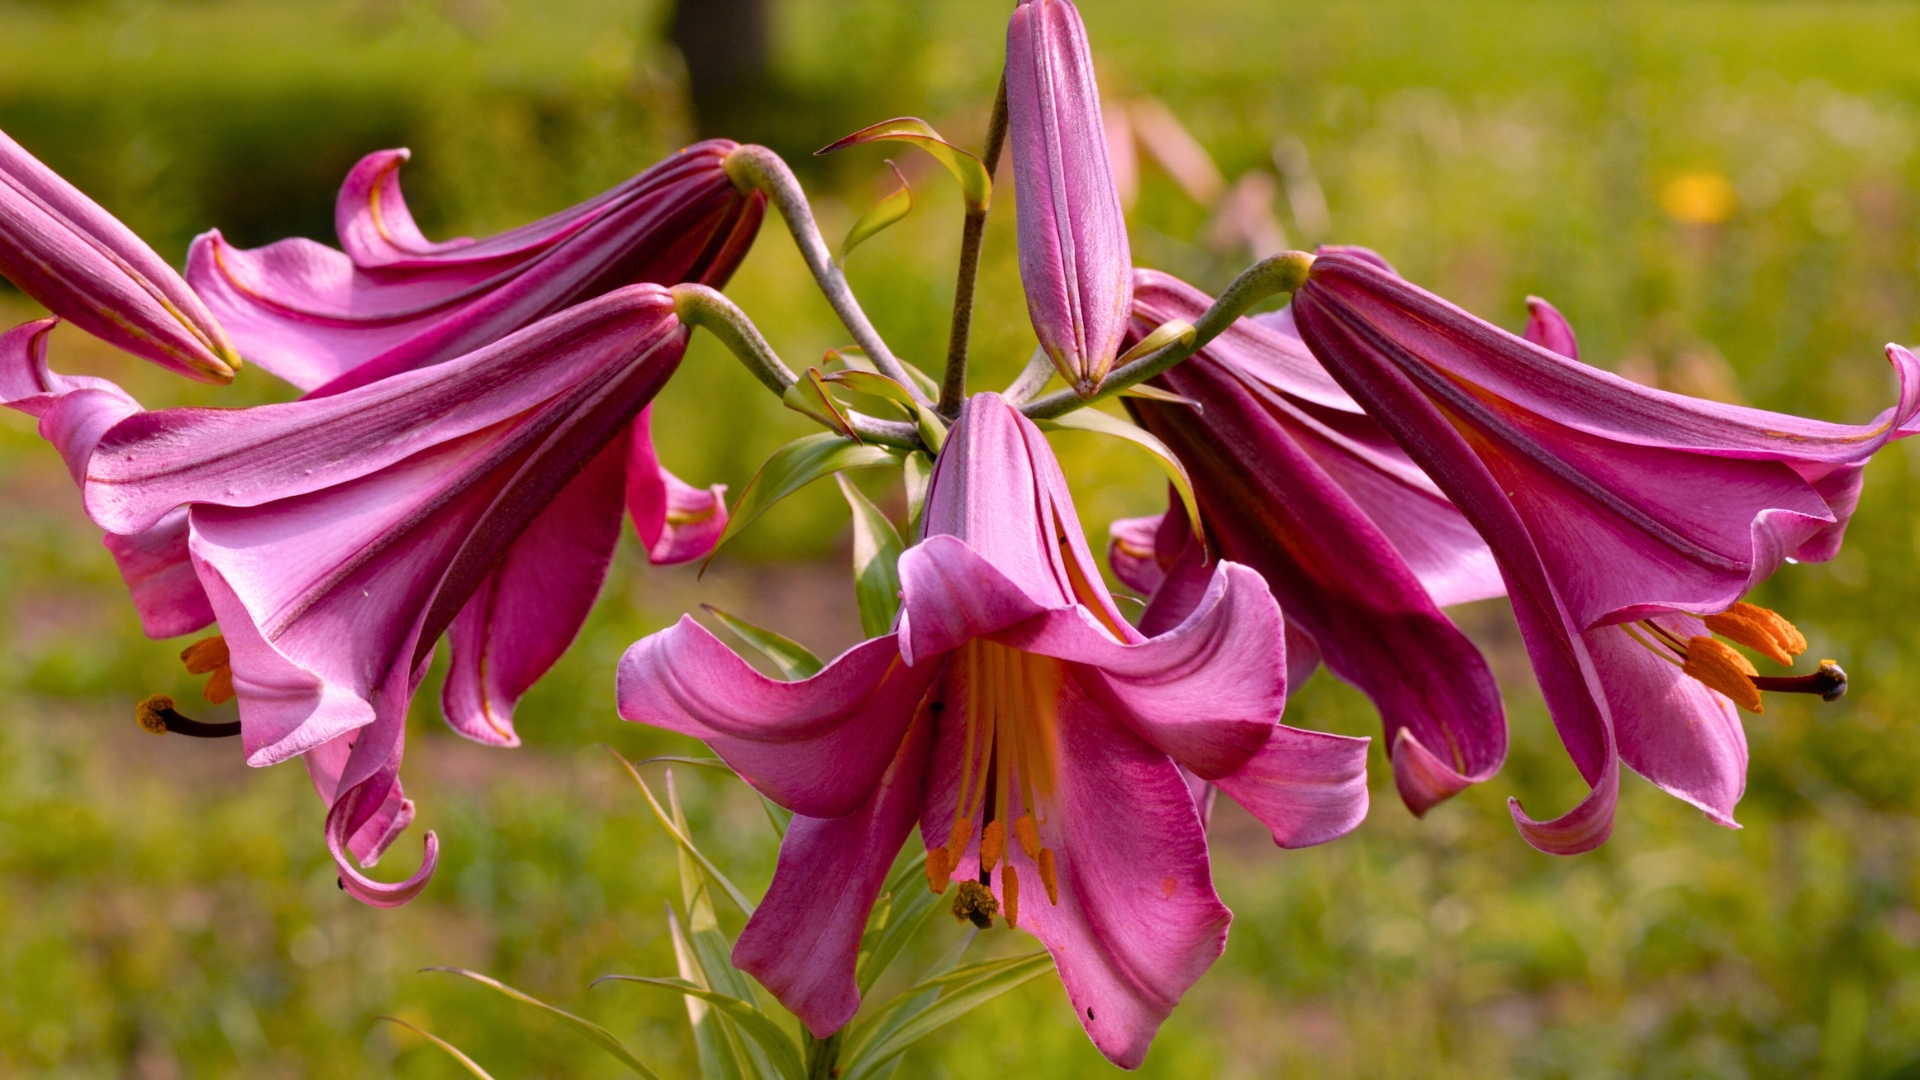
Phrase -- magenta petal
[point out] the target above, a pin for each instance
(1306, 787)
(803, 942)
(361, 887)
(1581, 829)
(952, 595)
(1206, 693)
(1074, 259)
(1138, 921)
(1674, 731)
(532, 605)
(816, 746)
(79, 261)
(677, 522)
(392, 302)
(159, 575)
(1547, 328)
(1132, 554)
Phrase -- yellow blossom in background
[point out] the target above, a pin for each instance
(1699, 198)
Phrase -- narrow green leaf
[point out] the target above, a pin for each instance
(710, 1042)
(933, 430)
(810, 397)
(1163, 335)
(786, 1056)
(918, 469)
(855, 358)
(1154, 393)
(791, 657)
(1108, 424)
(879, 1022)
(600, 1036)
(893, 206)
(963, 990)
(686, 843)
(471, 1065)
(907, 903)
(876, 555)
(976, 187)
(793, 467)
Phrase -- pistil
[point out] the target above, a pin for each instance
(157, 715)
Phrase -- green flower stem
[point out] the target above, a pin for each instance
(953, 387)
(1283, 273)
(823, 1055)
(756, 168)
(710, 310)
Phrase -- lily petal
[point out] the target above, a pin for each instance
(1306, 787)
(677, 522)
(803, 941)
(816, 746)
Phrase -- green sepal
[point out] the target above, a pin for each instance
(791, 657)
(888, 211)
(793, 467)
(976, 187)
(876, 558)
(1108, 424)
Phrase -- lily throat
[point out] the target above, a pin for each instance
(1006, 780)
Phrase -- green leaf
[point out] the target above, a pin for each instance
(1108, 424)
(962, 991)
(876, 557)
(472, 1065)
(918, 468)
(976, 187)
(600, 1036)
(686, 843)
(793, 467)
(710, 1041)
(791, 657)
(933, 430)
(893, 206)
(785, 1055)
(1163, 335)
(887, 1025)
(809, 397)
(905, 904)
(855, 358)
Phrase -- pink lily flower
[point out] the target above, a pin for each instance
(1074, 259)
(393, 301)
(83, 265)
(1358, 545)
(1036, 737)
(337, 538)
(1627, 522)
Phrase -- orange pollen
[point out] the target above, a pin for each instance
(209, 656)
(1761, 630)
(939, 870)
(1048, 877)
(993, 844)
(1028, 835)
(1717, 665)
(1010, 894)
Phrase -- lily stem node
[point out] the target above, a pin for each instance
(756, 168)
(1282, 273)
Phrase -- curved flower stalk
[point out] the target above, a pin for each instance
(83, 265)
(1357, 544)
(1037, 738)
(1627, 522)
(338, 537)
(1074, 259)
(327, 320)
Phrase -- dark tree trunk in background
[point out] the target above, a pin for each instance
(725, 46)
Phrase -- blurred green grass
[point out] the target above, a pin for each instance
(166, 912)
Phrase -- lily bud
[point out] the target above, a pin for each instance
(87, 267)
(1074, 259)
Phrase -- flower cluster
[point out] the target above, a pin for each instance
(474, 429)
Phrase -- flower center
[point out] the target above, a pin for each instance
(1006, 777)
(1720, 667)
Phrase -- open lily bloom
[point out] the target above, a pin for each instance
(393, 300)
(1358, 545)
(1074, 259)
(337, 538)
(1036, 738)
(85, 266)
(1627, 522)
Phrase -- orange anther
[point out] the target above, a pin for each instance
(1048, 878)
(1028, 834)
(1761, 630)
(993, 843)
(939, 870)
(1010, 894)
(1715, 664)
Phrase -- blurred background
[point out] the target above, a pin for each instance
(1719, 195)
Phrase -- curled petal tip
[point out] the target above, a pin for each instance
(381, 894)
(1574, 834)
(1424, 780)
